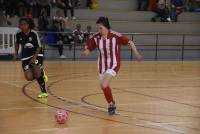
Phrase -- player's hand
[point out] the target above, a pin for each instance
(138, 58)
(85, 52)
(33, 59)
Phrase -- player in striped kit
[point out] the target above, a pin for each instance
(108, 43)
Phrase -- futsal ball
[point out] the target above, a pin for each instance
(61, 116)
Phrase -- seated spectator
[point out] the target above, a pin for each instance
(89, 4)
(44, 4)
(152, 5)
(194, 5)
(78, 34)
(142, 5)
(67, 36)
(43, 21)
(162, 12)
(59, 17)
(2, 6)
(87, 33)
(55, 39)
(15, 8)
(176, 9)
(66, 5)
(31, 8)
(94, 4)
(3, 19)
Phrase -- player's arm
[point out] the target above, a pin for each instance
(91, 45)
(16, 47)
(135, 51)
(38, 48)
(124, 40)
(16, 51)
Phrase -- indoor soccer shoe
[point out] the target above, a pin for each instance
(111, 109)
(42, 95)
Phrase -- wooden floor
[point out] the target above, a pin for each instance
(151, 98)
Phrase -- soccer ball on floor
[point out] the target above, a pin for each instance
(61, 116)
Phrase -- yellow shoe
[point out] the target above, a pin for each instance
(42, 95)
(46, 79)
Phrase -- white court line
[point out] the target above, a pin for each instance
(18, 86)
(68, 128)
(170, 79)
(169, 123)
(153, 103)
(145, 122)
(162, 126)
(22, 108)
(174, 72)
(133, 118)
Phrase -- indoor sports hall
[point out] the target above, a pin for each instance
(159, 94)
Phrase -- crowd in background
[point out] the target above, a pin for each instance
(168, 10)
(57, 28)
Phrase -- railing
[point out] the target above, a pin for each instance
(153, 46)
(183, 46)
(187, 42)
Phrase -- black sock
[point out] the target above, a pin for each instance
(42, 72)
(42, 84)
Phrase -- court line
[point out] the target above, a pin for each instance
(24, 91)
(21, 108)
(83, 99)
(148, 122)
(156, 97)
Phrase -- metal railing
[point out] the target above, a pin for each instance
(186, 43)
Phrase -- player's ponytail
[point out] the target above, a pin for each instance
(104, 21)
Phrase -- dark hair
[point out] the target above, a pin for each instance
(104, 21)
(29, 21)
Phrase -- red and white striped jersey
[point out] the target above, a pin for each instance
(109, 50)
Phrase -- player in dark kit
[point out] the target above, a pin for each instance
(31, 54)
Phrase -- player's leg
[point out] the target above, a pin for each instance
(27, 70)
(37, 71)
(105, 81)
(45, 77)
(29, 75)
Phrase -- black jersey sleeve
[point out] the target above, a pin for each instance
(37, 39)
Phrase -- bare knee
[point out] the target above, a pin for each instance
(36, 71)
(29, 77)
(103, 84)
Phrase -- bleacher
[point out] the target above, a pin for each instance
(124, 18)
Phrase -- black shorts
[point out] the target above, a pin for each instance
(26, 63)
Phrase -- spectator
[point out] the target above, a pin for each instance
(152, 5)
(89, 4)
(194, 5)
(55, 39)
(78, 34)
(31, 8)
(67, 36)
(2, 7)
(14, 8)
(94, 4)
(66, 5)
(87, 33)
(43, 21)
(3, 19)
(162, 12)
(44, 4)
(142, 5)
(59, 17)
(176, 9)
